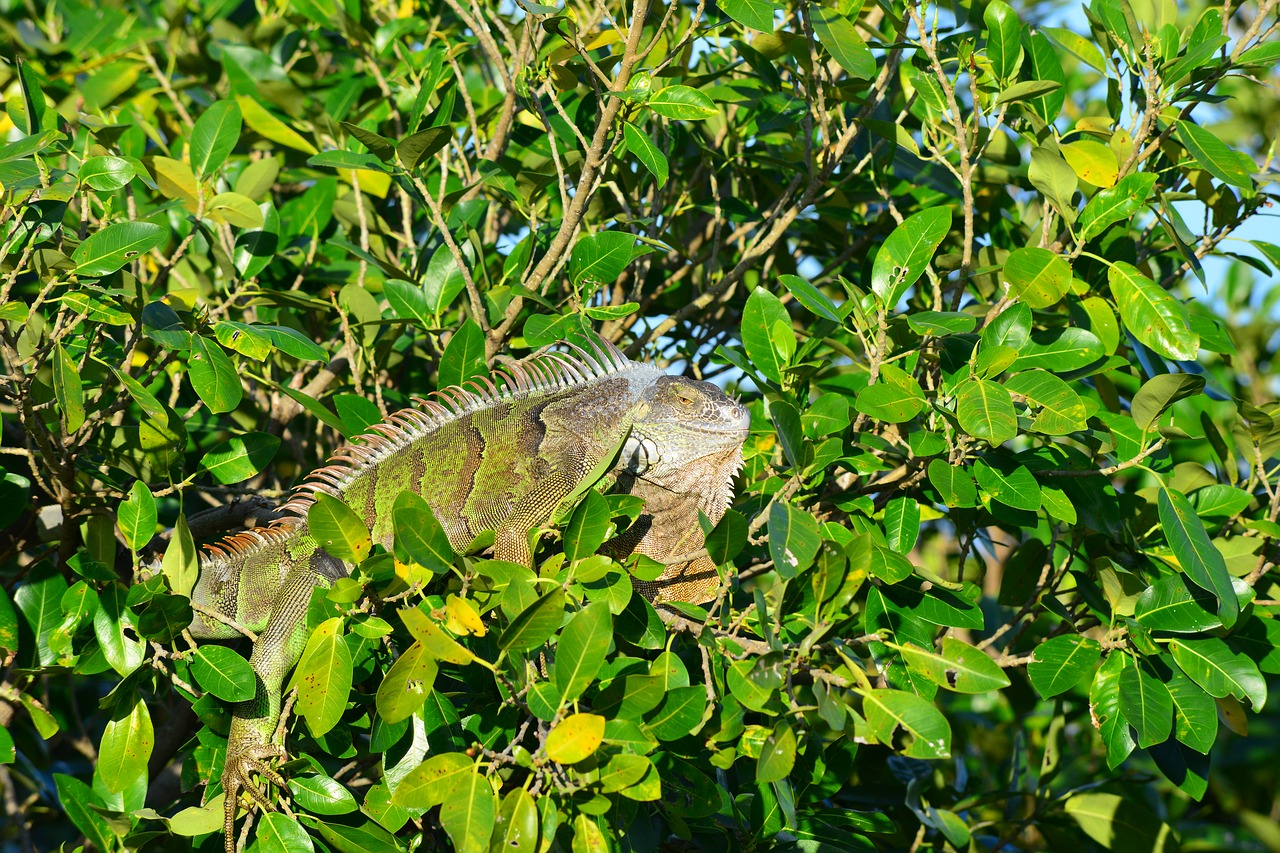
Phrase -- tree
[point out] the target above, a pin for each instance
(999, 571)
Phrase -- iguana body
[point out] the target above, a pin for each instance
(498, 458)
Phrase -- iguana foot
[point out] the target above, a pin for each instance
(237, 778)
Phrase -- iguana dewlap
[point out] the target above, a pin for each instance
(499, 457)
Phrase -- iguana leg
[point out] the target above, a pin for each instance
(253, 725)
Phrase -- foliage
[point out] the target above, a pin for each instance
(1000, 558)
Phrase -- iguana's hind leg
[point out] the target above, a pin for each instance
(250, 745)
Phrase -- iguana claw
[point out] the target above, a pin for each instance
(237, 778)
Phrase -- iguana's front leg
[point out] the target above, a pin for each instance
(252, 742)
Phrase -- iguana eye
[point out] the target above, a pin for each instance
(684, 400)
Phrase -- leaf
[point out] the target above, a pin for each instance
(682, 102)
(599, 259)
(793, 539)
(269, 127)
(294, 343)
(1169, 605)
(136, 516)
(575, 738)
(757, 14)
(236, 210)
(985, 410)
(105, 173)
(1060, 350)
(812, 298)
(1012, 485)
(428, 784)
(415, 148)
(1037, 276)
(1004, 39)
(213, 376)
(535, 624)
(1219, 670)
(468, 813)
(1146, 705)
(907, 252)
(1153, 316)
(777, 754)
(960, 667)
(1120, 824)
(646, 152)
(1062, 412)
(225, 674)
(1195, 716)
(838, 35)
(68, 389)
(1115, 204)
(337, 529)
(240, 457)
(1092, 161)
(1158, 394)
(895, 399)
(761, 312)
(581, 650)
(77, 801)
(126, 747)
(1212, 154)
(1044, 64)
(1055, 179)
(405, 686)
(279, 833)
(108, 250)
(214, 136)
(893, 715)
(941, 323)
(1104, 708)
(954, 484)
(180, 564)
(1059, 663)
(1026, 90)
(680, 714)
(902, 524)
(1202, 563)
(463, 357)
(323, 677)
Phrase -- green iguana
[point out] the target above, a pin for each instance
(496, 457)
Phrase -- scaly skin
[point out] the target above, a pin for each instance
(500, 460)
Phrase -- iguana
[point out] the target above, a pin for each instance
(497, 457)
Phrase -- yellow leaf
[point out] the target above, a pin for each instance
(575, 738)
(267, 125)
(176, 180)
(463, 617)
(1092, 162)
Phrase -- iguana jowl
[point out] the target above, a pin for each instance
(495, 458)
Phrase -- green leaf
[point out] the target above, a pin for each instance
(793, 539)
(1012, 485)
(761, 312)
(181, 564)
(985, 410)
(1044, 64)
(214, 136)
(68, 389)
(893, 715)
(1219, 670)
(278, 833)
(581, 650)
(415, 148)
(680, 713)
(463, 357)
(777, 754)
(727, 539)
(1062, 412)
(235, 209)
(1212, 154)
(1170, 605)
(1153, 316)
(213, 376)
(405, 686)
(1121, 825)
(1055, 179)
(294, 343)
(1195, 716)
(902, 524)
(1115, 204)
(812, 298)
(639, 144)
(1037, 276)
(682, 102)
(1004, 39)
(1026, 90)
(757, 14)
(105, 173)
(1060, 350)
(428, 784)
(1104, 705)
(106, 251)
(1146, 705)
(907, 252)
(323, 677)
(225, 674)
(468, 813)
(941, 323)
(1202, 563)
(535, 624)
(337, 529)
(78, 800)
(895, 399)
(838, 35)
(1059, 663)
(269, 127)
(126, 747)
(954, 483)
(1093, 162)
(599, 259)
(240, 457)
(1158, 394)
(960, 667)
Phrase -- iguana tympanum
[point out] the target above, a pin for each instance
(496, 457)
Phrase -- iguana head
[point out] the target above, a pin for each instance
(683, 424)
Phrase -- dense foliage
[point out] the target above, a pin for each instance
(998, 575)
